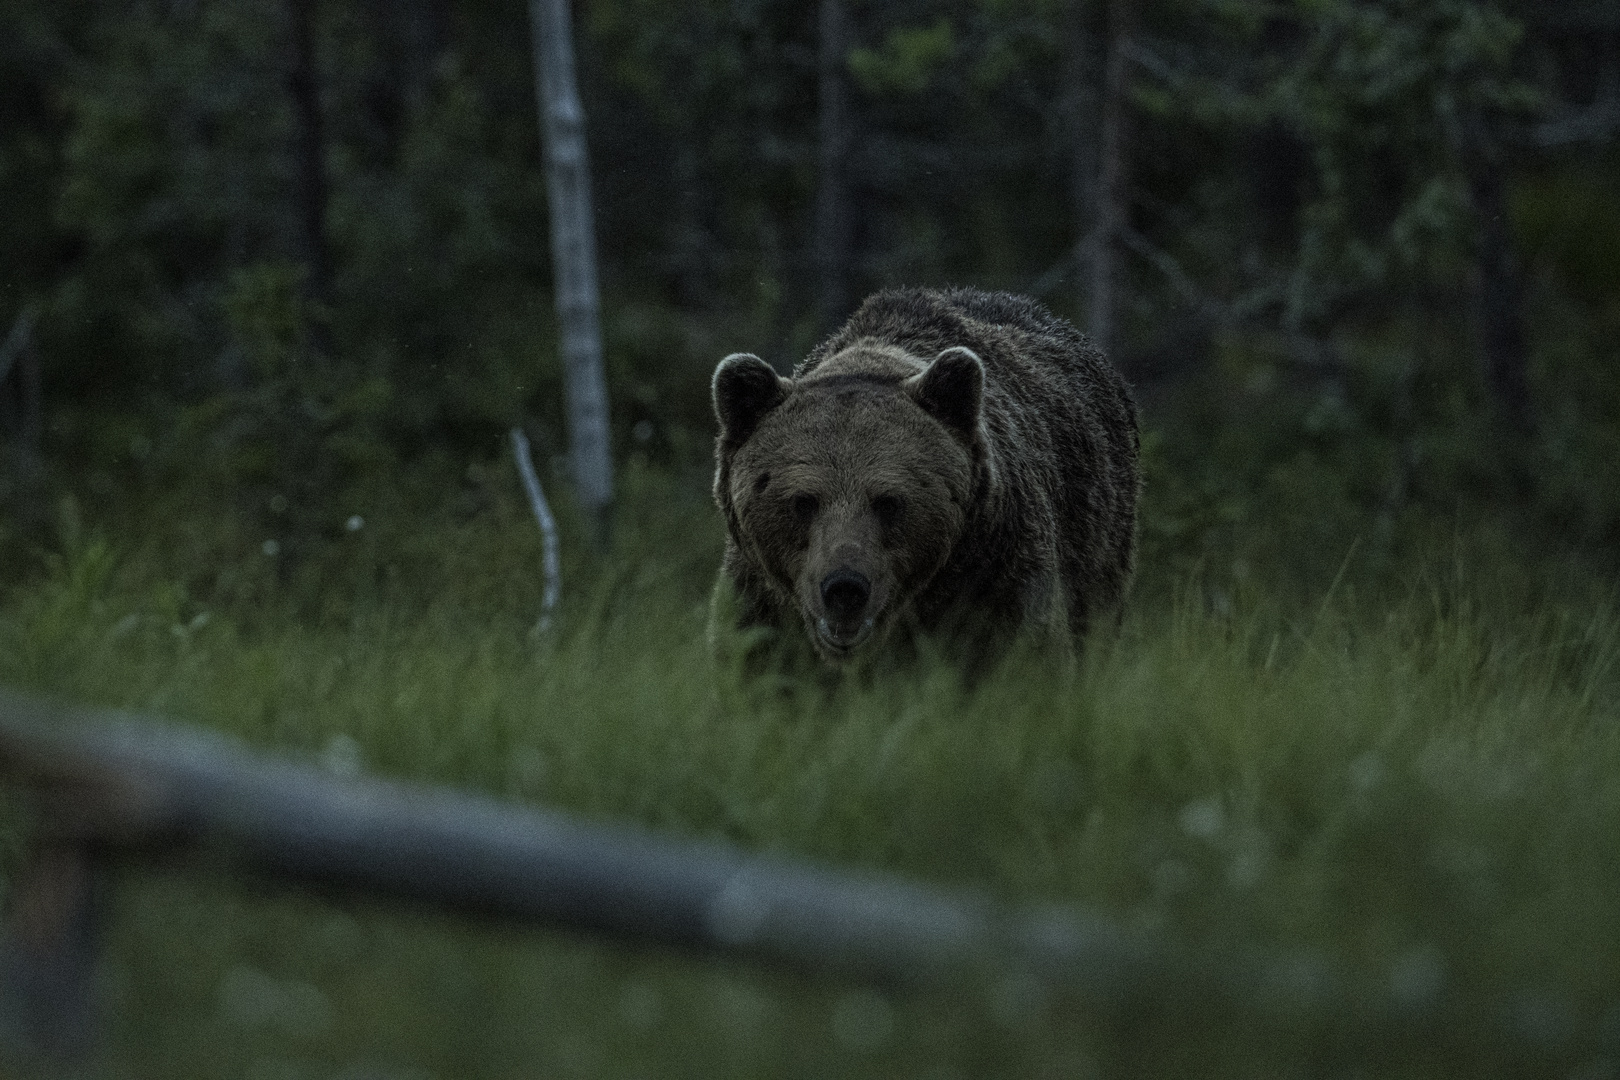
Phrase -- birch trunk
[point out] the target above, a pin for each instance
(573, 256)
(1113, 177)
(834, 225)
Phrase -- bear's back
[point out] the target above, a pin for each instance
(1037, 365)
(1016, 336)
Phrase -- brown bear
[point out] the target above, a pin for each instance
(957, 462)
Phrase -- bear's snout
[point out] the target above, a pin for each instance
(846, 617)
(844, 594)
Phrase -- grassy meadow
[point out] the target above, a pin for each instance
(1395, 747)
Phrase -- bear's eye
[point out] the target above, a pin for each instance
(762, 482)
(887, 509)
(805, 507)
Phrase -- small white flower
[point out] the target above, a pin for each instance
(1366, 773)
(355, 523)
(271, 548)
(1203, 818)
(1417, 977)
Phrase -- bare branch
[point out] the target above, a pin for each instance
(1598, 122)
(21, 330)
(1299, 350)
(1179, 279)
(548, 529)
(1153, 63)
(1059, 271)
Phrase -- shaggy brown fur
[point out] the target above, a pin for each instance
(950, 460)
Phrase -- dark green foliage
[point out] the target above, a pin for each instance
(1306, 219)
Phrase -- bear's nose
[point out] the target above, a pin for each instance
(844, 593)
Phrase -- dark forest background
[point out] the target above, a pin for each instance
(1357, 256)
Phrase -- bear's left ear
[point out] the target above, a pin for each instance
(745, 389)
(951, 389)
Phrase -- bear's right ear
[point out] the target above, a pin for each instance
(951, 388)
(745, 389)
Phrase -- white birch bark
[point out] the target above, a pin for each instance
(573, 255)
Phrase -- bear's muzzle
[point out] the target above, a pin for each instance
(845, 597)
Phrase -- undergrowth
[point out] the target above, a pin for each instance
(1411, 768)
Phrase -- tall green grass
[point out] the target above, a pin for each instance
(1411, 769)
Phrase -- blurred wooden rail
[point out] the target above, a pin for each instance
(109, 787)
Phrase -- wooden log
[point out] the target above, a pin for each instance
(114, 785)
(128, 785)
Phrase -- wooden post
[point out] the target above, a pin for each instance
(573, 257)
(48, 1007)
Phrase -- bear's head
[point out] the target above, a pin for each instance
(849, 488)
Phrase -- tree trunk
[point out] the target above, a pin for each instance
(1499, 300)
(31, 426)
(1079, 116)
(426, 33)
(573, 256)
(409, 36)
(22, 412)
(690, 245)
(22, 427)
(782, 270)
(309, 148)
(834, 220)
(1113, 177)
